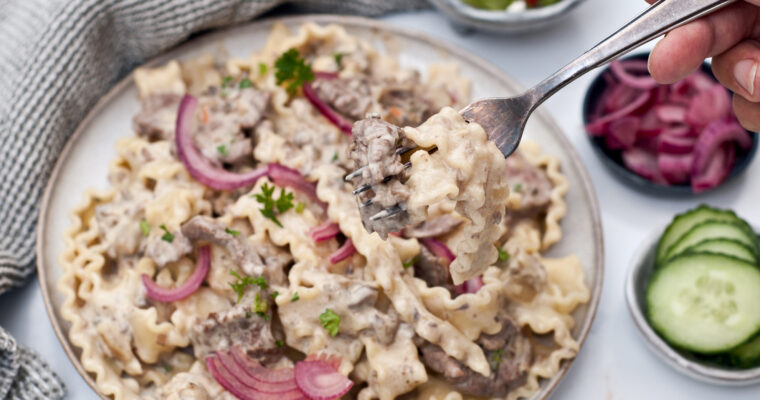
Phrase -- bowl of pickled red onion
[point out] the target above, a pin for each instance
(676, 139)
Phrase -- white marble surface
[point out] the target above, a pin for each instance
(614, 363)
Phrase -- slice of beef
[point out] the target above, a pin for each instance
(205, 228)
(404, 105)
(348, 96)
(163, 251)
(509, 352)
(435, 227)
(158, 116)
(226, 117)
(530, 181)
(433, 270)
(239, 327)
(374, 147)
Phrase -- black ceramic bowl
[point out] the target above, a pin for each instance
(612, 159)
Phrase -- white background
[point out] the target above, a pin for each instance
(615, 362)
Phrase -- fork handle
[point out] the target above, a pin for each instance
(656, 20)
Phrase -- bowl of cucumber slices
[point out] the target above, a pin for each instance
(693, 291)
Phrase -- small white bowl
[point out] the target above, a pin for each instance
(639, 273)
(508, 22)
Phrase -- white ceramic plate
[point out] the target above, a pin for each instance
(83, 163)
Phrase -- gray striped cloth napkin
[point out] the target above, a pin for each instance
(57, 58)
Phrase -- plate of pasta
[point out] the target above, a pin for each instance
(199, 237)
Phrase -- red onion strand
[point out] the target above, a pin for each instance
(164, 295)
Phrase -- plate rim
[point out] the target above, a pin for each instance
(362, 22)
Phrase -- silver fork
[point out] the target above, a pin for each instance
(504, 119)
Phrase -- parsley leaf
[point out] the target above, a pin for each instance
(167, 237)
(262, 68)
(330, 321)
(285, 202)
(248, 314)
(279, 343)
(245, 83)
(226, 81)
(409, 263)
(275, 294)
(292, 70)
(295, 297)
(497, 358)
(260, 307)
(265, 198)
(144, 227)
(300, 207)
(222, 149)
(338, 57)
(167, 368)
(231, 231)
(335, 157)
(282, 204)
(242, 281)
(517, 187)
(503, 255)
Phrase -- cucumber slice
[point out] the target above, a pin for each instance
(747, 355)
(712, 229)
(683, 223)
(706, 303)
(729, 247)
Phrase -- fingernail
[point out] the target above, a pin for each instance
(745, 73)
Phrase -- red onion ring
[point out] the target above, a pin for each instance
(345, 251)
(239, 389)
(164, 295)
(622, 72)
(199, 167)
(713, 137)
(323, 108)
(262, 373)
(326, 231)
(253, 381)
(320, 381)
(718, 169)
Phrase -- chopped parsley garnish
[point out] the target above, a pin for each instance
(167, 237)
(245, 83)
(335, 157)
(285, 202)
(300, 207)
(282, 204)
(295, 297)
(338, 57)
(226, 81)
(503, 255)
(241, 282)
(275, 294)
(330, 321)
(144, 227)
(279, 343)
(517, 187)
(260, 307)
(232, 231)
(496, 357)
(222, 149)
(409, 263)
(248, 314)
(292, 70)
(262, 68)
(167, 368)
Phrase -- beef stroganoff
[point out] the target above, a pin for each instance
(228, 258)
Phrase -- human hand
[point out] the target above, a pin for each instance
(732, 37)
